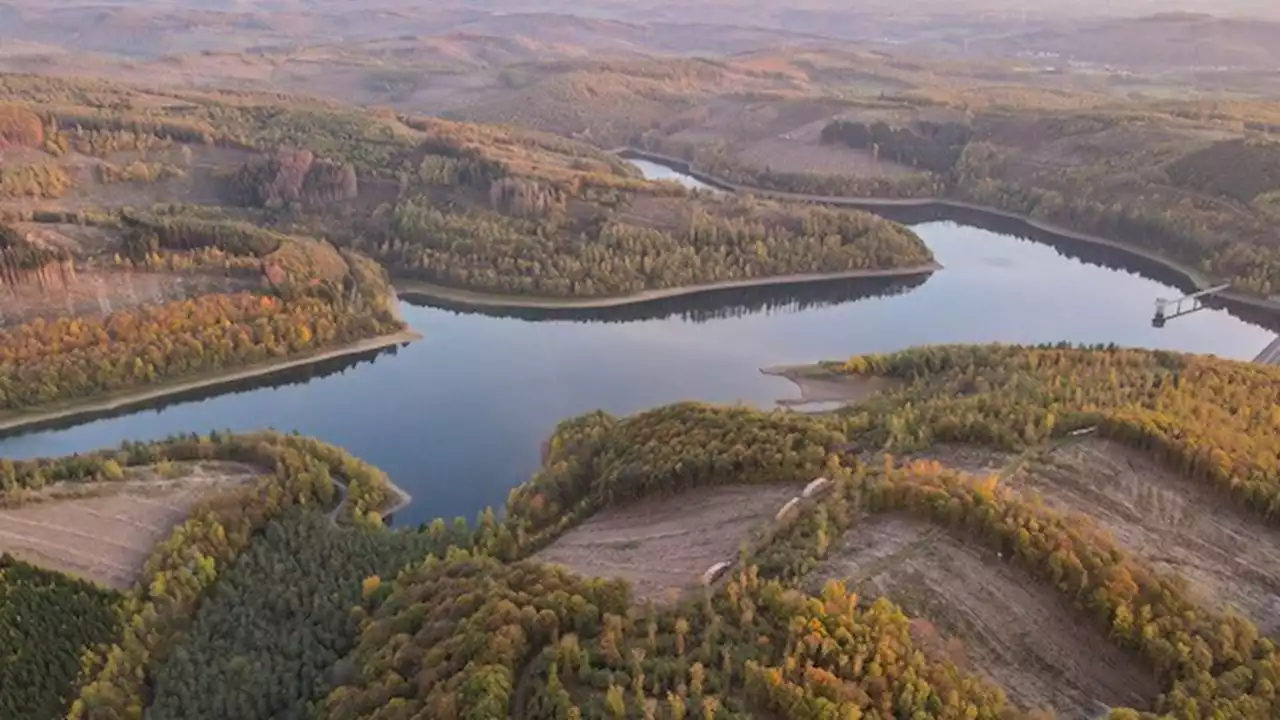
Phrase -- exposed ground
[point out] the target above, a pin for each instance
(1009, 626)
(664, 545)
(97, 292)
(107, 537)
(818, 385)
(1230, 557)
(972, 459)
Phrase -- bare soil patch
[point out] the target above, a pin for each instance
(971, 459)
(107, 537)
(660, 213)
(1020, 633)
(664, 545)
(1230, 558)
(818, 385)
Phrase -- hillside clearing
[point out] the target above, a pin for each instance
(1230, 559)
(1012, 628)
(107, 537)
(664, 545)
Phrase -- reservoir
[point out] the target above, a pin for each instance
(458, 418)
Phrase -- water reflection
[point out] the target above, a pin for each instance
(300, 375)
(705, 306)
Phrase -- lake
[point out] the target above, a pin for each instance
(458, 418)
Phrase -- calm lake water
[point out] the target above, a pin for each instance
(458, 418)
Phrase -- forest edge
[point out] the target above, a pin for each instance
(10, 422)
(431, 291)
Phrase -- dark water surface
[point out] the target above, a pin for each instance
(457, 419)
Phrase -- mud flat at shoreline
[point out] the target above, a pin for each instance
(819, 385)
(1008, 625)
(663, 545)
(107, 533)
(1229, 557)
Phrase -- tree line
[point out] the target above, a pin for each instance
(71, 358)
(486, 250)
(1216, 420)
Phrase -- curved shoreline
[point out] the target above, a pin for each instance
(1193, 276)
(431, 291)
(129, 398)
(819, 385)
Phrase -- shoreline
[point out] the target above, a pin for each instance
(1193, 276)
(128, 398)
(431, 291)
(818, 385)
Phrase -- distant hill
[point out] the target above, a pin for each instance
(1166, 40)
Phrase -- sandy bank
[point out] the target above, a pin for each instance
(1195, 277)
(117, 401)
(819, 385)
(418, 288)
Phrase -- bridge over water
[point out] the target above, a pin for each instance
(1270, 355)
(1167, 310)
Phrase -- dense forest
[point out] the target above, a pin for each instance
(46, 621)
(276, 625)
(497, 252)
(293, 176)
(298, 617)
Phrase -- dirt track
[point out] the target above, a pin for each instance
(664, 545)
(1230, 557)
(107, 538)
(1017, 631)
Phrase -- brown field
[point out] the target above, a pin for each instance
(1230, 558)
(108, 536)
(1002, 622)
(664, 545)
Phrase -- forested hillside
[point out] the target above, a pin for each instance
(284, 297)
(461, 205)
(260, 606)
